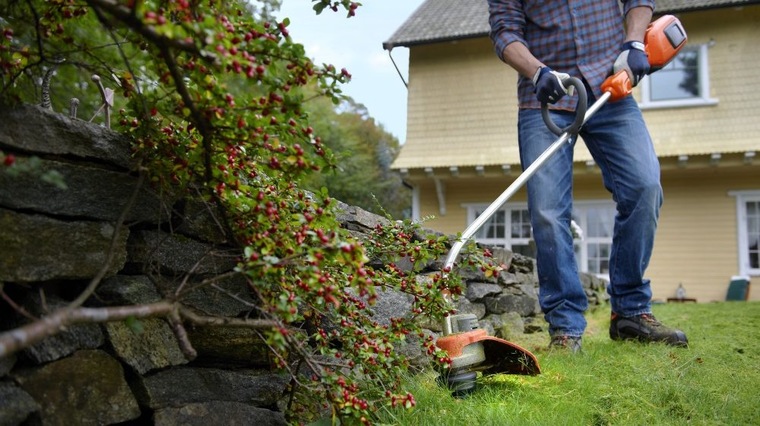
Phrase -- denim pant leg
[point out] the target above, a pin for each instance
(619, 141)
(561, 294)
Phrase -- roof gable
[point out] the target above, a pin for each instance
(443, 20)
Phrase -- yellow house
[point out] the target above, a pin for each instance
(703, 112)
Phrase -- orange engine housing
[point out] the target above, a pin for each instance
(663, 40)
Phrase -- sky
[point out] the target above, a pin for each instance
(357, 44)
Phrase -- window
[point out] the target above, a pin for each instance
(748, 214)
(510, 227)
(494, 232)
(685, 81)
(597, 220)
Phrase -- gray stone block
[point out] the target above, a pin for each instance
(58, 387)
(92, 193)
(220, 413)
(183, 385)
(71, 250)
(34, 129)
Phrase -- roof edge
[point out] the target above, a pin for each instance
(685, 9)
(390, 45)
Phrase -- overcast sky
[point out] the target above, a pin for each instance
(356, 44)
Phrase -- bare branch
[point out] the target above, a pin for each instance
(126, 16)
(22, 337)
(112, 249)
(14, 305)
(227, 321)
(234, 297)
(181, 334)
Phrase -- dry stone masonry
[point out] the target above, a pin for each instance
(56, 236)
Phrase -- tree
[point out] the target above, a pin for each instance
(364, 152)
(214, 104)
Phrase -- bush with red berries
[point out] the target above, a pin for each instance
(211, 95)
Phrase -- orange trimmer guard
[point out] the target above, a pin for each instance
(501, 356)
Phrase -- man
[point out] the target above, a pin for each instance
(545, 41)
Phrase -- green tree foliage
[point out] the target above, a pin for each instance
(363, 152)
(211, 94)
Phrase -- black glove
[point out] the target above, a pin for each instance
(548, 85)
(634, 60)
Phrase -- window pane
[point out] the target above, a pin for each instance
(599, 222)
(494, 227)
(599, 258)
(753, 233)
(520, 224)
(678, 80)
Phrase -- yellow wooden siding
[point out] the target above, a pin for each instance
(460, 192)
(462, 103)
(734, 58)
(696, 243)
(697, 239)
(462, 112)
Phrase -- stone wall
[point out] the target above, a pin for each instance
(54, 239)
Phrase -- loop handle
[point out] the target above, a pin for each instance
(580, 109)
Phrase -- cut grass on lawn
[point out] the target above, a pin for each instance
(715, 381)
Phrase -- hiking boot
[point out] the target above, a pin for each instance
(645, 328)
(570, 343)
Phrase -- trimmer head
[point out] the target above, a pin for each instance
(471, 349)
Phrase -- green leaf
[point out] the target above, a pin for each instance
(135, 325)
(54, 177)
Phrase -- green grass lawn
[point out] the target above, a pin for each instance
(716, 381)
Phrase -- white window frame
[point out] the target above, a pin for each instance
(742, 198)
(472, 210)
(703, 99)
(580, 244)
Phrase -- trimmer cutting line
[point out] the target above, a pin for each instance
(469, 347)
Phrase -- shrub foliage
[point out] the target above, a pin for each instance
(211, 94)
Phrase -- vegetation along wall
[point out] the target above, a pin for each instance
(75, 219)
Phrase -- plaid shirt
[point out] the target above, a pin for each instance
(578, 37)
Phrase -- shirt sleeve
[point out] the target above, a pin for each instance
(630, 4)
(507, 21)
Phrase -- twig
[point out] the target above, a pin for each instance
(209, 281)
(234, 296)
(27, 335)
(187, 275)
(18, 308)
(226, 321)
(181, 334)
(126, 16)
(112, 249)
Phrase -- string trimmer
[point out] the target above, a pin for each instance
(469, 347)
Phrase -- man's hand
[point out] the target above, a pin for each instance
(634, 60)
(548, 85)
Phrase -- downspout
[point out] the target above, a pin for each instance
(439, 187)
(440, 191)
(390, 55)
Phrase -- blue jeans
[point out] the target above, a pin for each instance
(619, 141)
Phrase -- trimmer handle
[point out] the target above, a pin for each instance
(580, 109)
(618, 86)
(663, 40)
